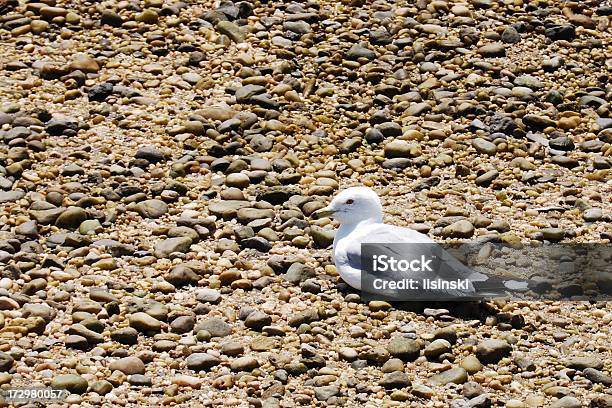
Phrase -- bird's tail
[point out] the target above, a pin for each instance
(497, 286)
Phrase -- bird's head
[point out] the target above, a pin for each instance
(353, 205)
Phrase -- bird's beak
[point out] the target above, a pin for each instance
(324, 212)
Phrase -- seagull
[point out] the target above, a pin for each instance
(360, 214)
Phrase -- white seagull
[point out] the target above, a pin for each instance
(360, 213)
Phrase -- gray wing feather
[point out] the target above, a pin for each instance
(449, 268)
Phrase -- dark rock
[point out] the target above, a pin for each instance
(99, 93)
(510, 35)
(150, 153)
(109, 17)
(565, 32)
(6, 362)
(358, 51)
(499, 123)
(71, 382)
(597, 376)
(257, 320)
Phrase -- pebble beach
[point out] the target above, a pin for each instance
(161, 162)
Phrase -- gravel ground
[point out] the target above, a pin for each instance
(160, 161)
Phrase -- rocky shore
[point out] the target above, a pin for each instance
(160, 162)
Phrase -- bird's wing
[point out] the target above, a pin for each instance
(379, 236)
(391, 241)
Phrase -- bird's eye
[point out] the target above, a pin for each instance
(350, 201)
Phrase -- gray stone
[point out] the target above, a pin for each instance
(125, 335)
(553, 234)
(510, 35)
(493, 350)
(389, 129)
(72, 169)
(166, 247)
(182, 275)
(246, 363)
(6, 361)
(230, 29)
(565, 32)
(128, 365)
(90, 226)
(601, 401)
(584, 362)
(322, 238)
(401, 148)
(306, 316)
(484, 146)
(91, 336)
(247, 215)
(437, 348)
(393, 364)
(215, 326)
(417, 109)
(182, 324)
(492, 50)
(459, 229)
(404, 348)
(487, 178)
(299, 272)
(604, 123)
(201, 361)
(151, 208)
(563, 143)
(71, 382)
(472, 389)
(529, 81)
(593, 215)
(398, 163)
(101, 387)
(552, 64)
(567, 402)
(46, 217)
(148, 16)
(277, 194)
(71, 218)
(396, 379)
(39, 309)
(299, 27)
(208, 295)
(326, 392)
(257, 320)
(144, 323)
(359, 51)
(140, 380)
(597, 376)
(456, 375)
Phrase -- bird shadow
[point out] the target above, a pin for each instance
(442, 310)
